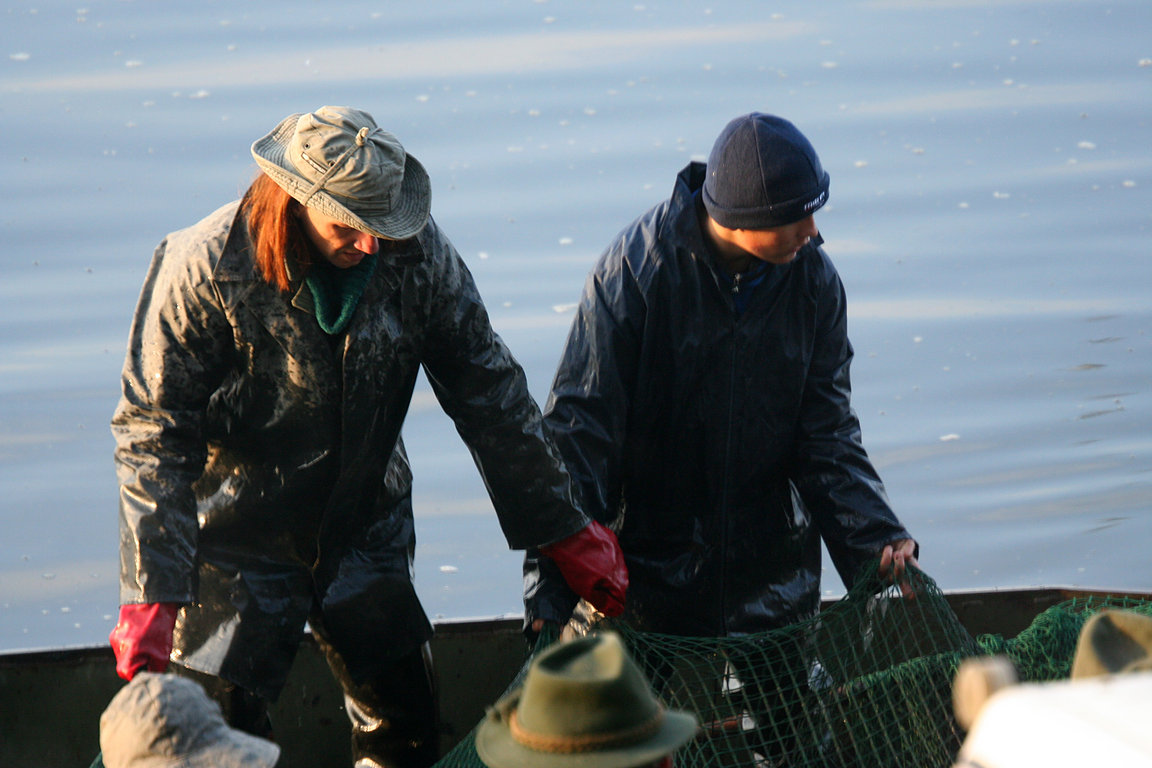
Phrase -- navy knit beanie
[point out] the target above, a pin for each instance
(763, 173)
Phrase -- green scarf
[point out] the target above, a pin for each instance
(336, 292)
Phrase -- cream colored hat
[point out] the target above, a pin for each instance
(338, 162)
(1113, 641)
(165, 721)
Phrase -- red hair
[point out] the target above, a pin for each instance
(274, 231)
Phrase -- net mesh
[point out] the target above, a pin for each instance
(867, 682)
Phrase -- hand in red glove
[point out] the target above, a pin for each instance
(142, 639)
(593, 565)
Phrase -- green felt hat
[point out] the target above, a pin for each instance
(583, 704)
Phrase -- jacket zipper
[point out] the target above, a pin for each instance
(727, 466)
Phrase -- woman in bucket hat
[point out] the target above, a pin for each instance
(263, 481)
(583, 704)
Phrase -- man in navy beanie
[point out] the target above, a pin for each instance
(702, 404)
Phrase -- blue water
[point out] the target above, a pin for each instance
(991, 215)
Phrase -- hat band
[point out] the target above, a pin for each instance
(572, 744)
(361, 138)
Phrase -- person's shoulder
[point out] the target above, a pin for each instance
(643, 242)
(427, 247)
(645, 228)
(814, 274)
(431, 238)
(635, 248)
(206, 237)
(221, 218)
(194, 254)
(816, 263)
(660, 222)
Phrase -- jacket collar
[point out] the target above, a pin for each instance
(682, 224)
(239, 284)
(236, 263)
(685, 227)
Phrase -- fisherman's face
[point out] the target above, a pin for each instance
(775, 245)
(343, 246)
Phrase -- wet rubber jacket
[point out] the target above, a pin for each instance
(263, 480)
(723, 446)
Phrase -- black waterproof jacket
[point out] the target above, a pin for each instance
(263, 481)
(723, 446)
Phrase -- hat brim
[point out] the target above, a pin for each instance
(234, 749)
(407, 217)
(497, 748)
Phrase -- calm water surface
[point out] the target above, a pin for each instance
(990, 215)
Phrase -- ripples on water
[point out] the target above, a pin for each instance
(989, 215)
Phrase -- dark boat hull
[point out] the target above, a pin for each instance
(51, 701)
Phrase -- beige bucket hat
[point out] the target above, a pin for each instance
(338, 162)
(1112, 642)
(165, 721)
(583, 704)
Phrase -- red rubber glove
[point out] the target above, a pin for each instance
(142, 639)
(593, 565)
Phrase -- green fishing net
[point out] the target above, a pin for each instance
(1045, 650)
(867, 682)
